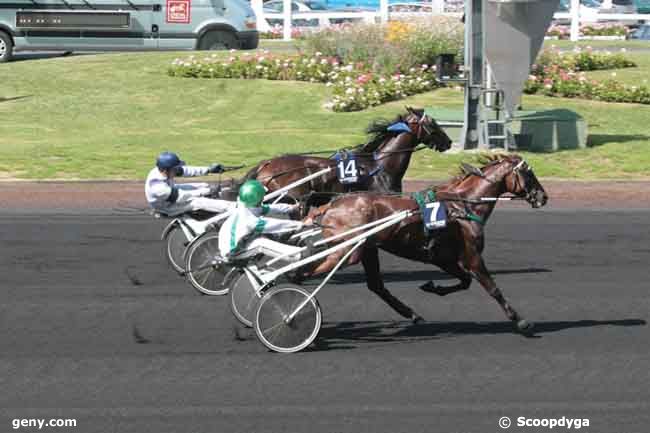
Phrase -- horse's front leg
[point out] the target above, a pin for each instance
(476, 266)
(454, 269)
(375, 282)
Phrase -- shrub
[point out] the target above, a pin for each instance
(392, 48)
(563, 74)
(354, 86)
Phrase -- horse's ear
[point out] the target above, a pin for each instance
(409, 109)
(470, 169)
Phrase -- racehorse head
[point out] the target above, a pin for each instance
(519, 179)
(427, 130)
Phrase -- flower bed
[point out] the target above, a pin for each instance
(354, 85)
(277, 32)
(394, 47)
(563, 74)
(594, 31)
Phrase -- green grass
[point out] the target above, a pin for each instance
(107, 116)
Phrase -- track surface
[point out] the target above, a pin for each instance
(96, 327)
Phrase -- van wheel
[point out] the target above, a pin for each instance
(6, 47)
(218, 40)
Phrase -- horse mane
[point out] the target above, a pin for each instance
(378, 132)
(484, 159)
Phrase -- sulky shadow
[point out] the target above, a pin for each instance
(348, 335)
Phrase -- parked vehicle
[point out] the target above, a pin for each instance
(102, 25)
(277, 6)
(642, 33)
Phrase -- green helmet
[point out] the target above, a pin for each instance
(251, 193)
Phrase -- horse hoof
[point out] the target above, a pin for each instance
(416, 319)
(430, 287)
(525, 327)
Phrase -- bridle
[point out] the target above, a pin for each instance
(518, 169)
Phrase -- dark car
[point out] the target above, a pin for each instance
(642, 32)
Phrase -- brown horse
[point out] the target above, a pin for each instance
(382, 161)
(456, 249)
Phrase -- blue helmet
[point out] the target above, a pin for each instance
(168, 160)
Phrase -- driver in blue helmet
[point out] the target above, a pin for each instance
(164, 195)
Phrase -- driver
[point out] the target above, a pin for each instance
(240, 233)
(164, 195)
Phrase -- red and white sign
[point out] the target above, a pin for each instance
(178, 11)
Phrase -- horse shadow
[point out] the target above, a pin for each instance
(350, 335)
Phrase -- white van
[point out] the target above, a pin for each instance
(98, 25)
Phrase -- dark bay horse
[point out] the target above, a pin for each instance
(382, 161)
(455, 249)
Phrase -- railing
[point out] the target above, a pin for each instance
(326, 18)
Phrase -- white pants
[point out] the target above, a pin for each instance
(271, 248)
(200, 203)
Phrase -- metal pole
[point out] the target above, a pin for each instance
(575, 20)
(286, 4)
(474, 65)
(383, 11)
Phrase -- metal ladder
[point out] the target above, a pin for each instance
(494, 132)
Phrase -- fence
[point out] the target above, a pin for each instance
(435, 7)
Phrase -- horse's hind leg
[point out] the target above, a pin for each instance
(476, 266)
(455, 270)
(370, 261)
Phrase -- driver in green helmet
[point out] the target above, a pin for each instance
(242, 230)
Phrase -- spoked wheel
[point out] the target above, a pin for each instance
(175, 245)
(205, 270)
(273, 326)
(243, 299)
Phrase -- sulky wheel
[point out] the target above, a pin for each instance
(243, 299)
(273, 327)
(205, 270)
(175, 245)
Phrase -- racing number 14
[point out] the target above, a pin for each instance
(348, 170)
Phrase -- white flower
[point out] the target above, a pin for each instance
(312, 80)
(348, 79)
(623, 50)
(351, 98)
(360, 90)
(349, 91)
(211, 70)
(349, 68)
(233, 50)
(329, 105)
(548, 86)
(329, 84)
(426, 83)
(265, 51)
(323, 62)
(382, 80)
(425, 66)
(258, 67)
(335, 76)
(613, 74)
(318, 54)
(342, 105)
(261, 59)
(412, 70)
